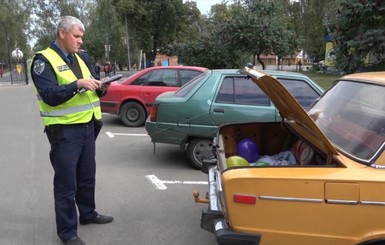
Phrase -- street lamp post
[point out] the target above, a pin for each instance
(18, 55)
(9, 56)
(128, 46)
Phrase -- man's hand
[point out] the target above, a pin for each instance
(88, 84)
(104, 87)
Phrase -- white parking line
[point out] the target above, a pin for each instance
(160, 184)
(112, 135)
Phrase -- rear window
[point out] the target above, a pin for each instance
(187, 75)
(185, 89)
(352, 116)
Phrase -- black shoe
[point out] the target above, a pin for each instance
(99, 219)
(74, 241)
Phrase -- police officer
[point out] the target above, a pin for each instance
(70, 107)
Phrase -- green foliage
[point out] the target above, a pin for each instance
(105, 29)
(234, 34)
(310, 19)
(325, 80)
(155, 24)
(47, 13)
(230, 35)
(358, 32)
(206, 51)
(14, 16)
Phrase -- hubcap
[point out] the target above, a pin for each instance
(203, 150)
(132, 114)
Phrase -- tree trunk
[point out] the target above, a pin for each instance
(261, 62)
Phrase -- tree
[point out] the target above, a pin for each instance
(47, 14)
(104, 38)
(100, 21)
(357, 32)
(208, 48)
(236, 33)
(313, 28)
(309, 19)
(155, 24)
(14, 18)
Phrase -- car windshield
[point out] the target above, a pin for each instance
(352, 116)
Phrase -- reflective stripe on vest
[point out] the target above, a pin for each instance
(70, 110)
(80, 108)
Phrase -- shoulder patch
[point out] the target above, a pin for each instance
(38, 66)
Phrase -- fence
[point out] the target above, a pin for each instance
(14, 73)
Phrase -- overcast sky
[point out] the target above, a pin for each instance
(205, 5)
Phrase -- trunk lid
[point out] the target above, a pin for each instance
(291, 111)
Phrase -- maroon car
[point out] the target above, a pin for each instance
(132, 99)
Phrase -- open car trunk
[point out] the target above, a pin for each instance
(271, 139)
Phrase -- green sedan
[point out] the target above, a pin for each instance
(191, 115)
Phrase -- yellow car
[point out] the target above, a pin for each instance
(317, 177)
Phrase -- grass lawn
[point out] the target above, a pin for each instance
(323, 79)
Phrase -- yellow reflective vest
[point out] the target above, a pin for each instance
(79, 109)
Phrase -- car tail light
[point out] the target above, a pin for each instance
(154, 111)
(247, 199)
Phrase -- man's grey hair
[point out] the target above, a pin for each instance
(68, 22)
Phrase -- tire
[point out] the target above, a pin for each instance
(198, 150)
(133, 114)
(373, 243)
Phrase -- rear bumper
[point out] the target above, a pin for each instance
(213, 221)
(164, 133)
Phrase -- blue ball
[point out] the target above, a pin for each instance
(248, 149)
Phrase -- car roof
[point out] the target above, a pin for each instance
(226, 71)
(372, 77)
(203, 69)
(269, 72)
(284, 73)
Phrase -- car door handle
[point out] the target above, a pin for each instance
(219, 110)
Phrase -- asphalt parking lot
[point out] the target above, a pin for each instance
(148, 194)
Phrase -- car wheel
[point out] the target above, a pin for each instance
(375, 243)
(133, 114)
(198, 150)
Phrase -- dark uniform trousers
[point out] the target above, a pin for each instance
(72, 156)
